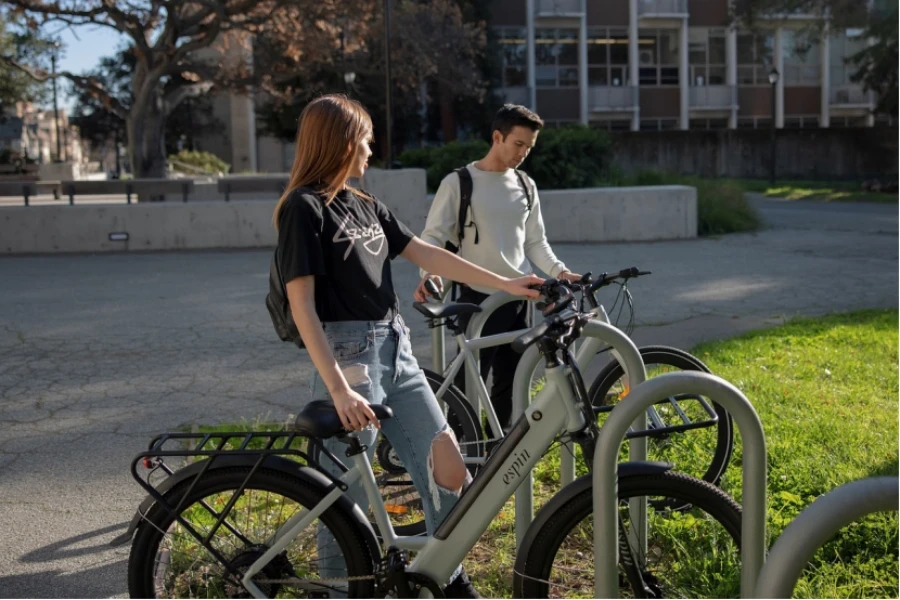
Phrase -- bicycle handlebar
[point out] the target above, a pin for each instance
(606, 279)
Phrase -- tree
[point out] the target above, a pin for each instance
(175, 38)
(15, 40)
(432, 46)
(876, 65)
(99, 126)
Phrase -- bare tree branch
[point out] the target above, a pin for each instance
(89, 84)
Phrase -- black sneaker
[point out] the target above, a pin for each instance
(461, 587)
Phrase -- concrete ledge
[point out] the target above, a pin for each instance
(625, 214)
(587, 215)
(162, 226)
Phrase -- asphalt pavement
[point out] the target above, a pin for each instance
(98, 353)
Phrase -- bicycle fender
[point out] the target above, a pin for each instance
(274, 463)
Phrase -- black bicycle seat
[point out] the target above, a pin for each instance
(319, 419)
(441, 311)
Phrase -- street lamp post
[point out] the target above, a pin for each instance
(773, 79)
(387, 80)
(349, 78)
(55, 104)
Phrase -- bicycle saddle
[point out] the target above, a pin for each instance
(319, 419)
(441, 311)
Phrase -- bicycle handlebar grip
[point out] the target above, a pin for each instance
(521, 343)
(432, 289)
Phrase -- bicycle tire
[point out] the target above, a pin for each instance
(535, 574)
(395, 486)
(142, 564)
(683, 361)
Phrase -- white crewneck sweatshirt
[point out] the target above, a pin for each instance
(509, 235)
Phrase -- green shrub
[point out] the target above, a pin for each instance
(205, 162)
(438, 161)
(573, 156)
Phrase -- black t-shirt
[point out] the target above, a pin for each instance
(347, 245)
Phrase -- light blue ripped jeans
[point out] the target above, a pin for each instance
(377, 361)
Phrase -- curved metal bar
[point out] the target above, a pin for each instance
(753, 523)
(595, 336)
(476, 325)
(817, 524)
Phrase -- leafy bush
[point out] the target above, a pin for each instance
(205, 162)
(573, 156)
(438, 161)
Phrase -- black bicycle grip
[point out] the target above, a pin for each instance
(432, 289)
(521, 343)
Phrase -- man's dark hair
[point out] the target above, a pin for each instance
(512, 115)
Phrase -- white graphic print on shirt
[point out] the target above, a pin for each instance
(372, 234)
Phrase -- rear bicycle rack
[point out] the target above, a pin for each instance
(658, 427)
(207, 449)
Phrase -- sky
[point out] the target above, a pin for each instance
(83, 53)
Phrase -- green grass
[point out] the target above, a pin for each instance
(826, 391)
(818, 190)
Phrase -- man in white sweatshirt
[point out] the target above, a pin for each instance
(503, 232)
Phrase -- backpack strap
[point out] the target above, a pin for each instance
(465, 204)
(529, 193)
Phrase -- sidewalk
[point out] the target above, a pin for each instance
(99, 353)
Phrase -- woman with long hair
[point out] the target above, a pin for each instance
(335, 244)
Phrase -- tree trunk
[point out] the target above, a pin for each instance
(146, 141)
(448, 119)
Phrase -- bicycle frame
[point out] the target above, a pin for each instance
(482, 399)
(555, 411)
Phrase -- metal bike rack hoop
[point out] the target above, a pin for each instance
(817, 524)
(753, 521)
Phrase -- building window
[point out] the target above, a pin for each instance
(707, 56)
(754, 123)
(709, 124)
(802, 58)
(841, 122)
(658, 57)
(513, 46)
(607, 57)
(801, 122)
(754, 58)
(556, 57)
(659, 124)
(841, 47)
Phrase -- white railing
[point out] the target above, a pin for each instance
(849, 95)
(548, 8)
(606, 98)
(713, 96)
(516, 95)
(649, 8)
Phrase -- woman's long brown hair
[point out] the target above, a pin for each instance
(330, 128)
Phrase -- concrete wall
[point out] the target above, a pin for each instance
(857, 153)
(589, 215)
(620, 214)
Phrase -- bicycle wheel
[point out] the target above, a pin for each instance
(401, 499)
(166, 561)
(691, 552)
(703, 452)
